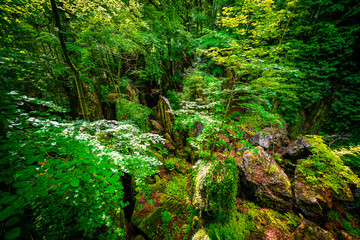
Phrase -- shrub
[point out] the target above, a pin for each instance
(137, 113)
(325, 168)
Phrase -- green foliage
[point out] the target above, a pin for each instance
(173, 99)
(325, 169)
(219, 188)
(286, 222)
(69, 173)
(238, 227)
(136, 113)
(166, 217)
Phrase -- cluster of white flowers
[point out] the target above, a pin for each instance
(193, 113)
(135, 159)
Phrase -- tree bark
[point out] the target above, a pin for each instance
(78, 81)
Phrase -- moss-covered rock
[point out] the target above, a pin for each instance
(308, 230)
(312, 201)
(166, 198)
(215, 187)
(165, 115)
(263, 180)
(201, 235)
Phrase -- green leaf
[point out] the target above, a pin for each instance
(12, 221)
(74, 182)
(19, 202)
(7, 199)
(4, 161)
(12, 233)
(6, 213)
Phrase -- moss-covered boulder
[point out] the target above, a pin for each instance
(321, 179)
(300, 148)
(166, 208)
(201, 235)
(263, 180)
(313, 202)
(215, 187)
(308, 230)
(165, 115)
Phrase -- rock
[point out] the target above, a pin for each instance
(215, 187)
(165, 115)
(263, 179)
(344, 194)
(145, 216)
(272, 233)
(157, 126)
(263, 139)
(196, 130)
(200, 235)
(298, 149)
(308, 230)
(170, 144)
(314, 203)
(198, 201)
(270, 138)
(353, 206)
(347, 236)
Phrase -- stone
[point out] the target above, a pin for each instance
(201, 235)
(264, 180)
(198, 201)
(196, 130)
(165, 115)
(157, 126)
(263, 139)
(344, 195)
(308, 230)
(145, 216)
(270, 138)
(298, 149)
(314, 203)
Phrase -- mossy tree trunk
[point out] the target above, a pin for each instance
(78, 81)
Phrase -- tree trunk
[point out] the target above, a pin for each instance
(78, 81)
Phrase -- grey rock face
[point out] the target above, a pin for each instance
(298, 149)
(261, 139)
(263, 179)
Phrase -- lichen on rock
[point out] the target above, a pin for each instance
(264, 180)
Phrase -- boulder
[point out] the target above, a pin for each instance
(139, 237)
(271, 138)
(157, 126)
(196, 130)
(298, 149)
(201, 235)
(165, 115)
(198, 201)
(264, 180)
(263, 139)
(314, 203)
(215, 187)
(308, 230)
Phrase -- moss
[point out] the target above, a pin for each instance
(238, 227)
(286, 222)
(325, 169)
(201, 235)
(137, 113)
(217, 185)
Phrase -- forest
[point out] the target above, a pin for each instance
(179, 119)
